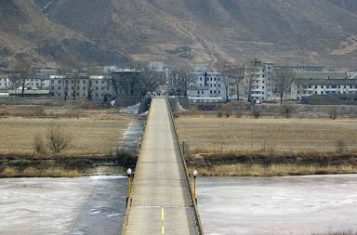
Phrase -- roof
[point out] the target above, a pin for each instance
(125, 70)
(57, 76)
(321, 75)
(352, 75)
(326, 81)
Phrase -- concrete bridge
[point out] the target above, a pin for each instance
(161, 201)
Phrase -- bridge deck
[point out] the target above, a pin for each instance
(161, 202)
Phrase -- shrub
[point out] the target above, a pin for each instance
(256, 113)
(227, 114)
(38, 144)
(220, 114)
(57, 140)
(238, 114)
(333, 113)
(286, 110)
(340, 146)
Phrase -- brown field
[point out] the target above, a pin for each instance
(268, 135)
(59, 109)
(95, 135)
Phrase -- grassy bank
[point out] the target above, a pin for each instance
(260, 164)
(269, 146)
(257, 170)
(61, 166)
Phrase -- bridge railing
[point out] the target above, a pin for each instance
(128, 206)
(176, 142)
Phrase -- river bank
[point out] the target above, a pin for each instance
(260, 165)
(23, 166)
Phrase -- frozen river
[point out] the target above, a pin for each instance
(42, 206)
(287, 205)
(228, 206)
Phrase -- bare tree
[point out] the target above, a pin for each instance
(282, 78)
(22, 71)
(70, 67)
(185, 79)
(150, 81)
(236, 75)
(226, 81)
(57, 140)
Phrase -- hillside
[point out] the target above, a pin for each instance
(207, 31)
(25, 30)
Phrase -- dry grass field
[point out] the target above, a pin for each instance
(93, 135)
(269, 135)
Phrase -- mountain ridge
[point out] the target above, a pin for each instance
(212, 31)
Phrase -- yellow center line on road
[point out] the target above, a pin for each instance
(162, 221)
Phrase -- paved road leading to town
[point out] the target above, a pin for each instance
(161, 201)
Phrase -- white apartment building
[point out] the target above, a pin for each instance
(4, 82)
(261, 84)
(207, 87)
(323, 83)
(98, 88)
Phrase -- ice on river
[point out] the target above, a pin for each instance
(86, 205)
(287, 205)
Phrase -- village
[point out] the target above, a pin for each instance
(257, 82)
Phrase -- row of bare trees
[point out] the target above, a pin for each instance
(281, 76)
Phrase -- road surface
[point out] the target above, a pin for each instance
(161, 201)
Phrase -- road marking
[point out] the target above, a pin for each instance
(162, 220)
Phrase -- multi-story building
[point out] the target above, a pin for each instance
(4, 82)
(322, 83)
(97, 88)
(259, 78)
(207, 87)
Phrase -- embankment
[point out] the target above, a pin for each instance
(25, 166)
(264, 165)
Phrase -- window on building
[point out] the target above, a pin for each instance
(59, 88)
